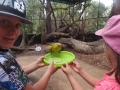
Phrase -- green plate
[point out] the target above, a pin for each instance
(59, 58)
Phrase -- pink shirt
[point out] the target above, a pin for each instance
(107, 83)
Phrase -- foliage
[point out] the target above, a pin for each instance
(35, 14)
(61, 11)
(95, 16)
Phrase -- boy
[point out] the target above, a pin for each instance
(12, 75)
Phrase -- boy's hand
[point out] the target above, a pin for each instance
(51, 68)
(40, 62)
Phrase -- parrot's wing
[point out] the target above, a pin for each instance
(50, 48)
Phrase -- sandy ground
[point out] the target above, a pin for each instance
(59, 80)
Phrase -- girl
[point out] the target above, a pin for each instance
(111, 80)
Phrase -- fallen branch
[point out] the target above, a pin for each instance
(84, 47)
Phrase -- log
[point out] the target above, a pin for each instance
(94, 47)
(14, 48)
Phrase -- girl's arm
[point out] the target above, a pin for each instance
(75, 85)
(89, 78)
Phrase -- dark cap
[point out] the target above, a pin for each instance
(14, 8)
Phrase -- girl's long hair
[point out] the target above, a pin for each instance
(116, 68)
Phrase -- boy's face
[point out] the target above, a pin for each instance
(9, 30)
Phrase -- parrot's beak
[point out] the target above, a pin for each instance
(60, 46)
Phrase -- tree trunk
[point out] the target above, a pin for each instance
(23, 43)
(84, 47)
(48, 18)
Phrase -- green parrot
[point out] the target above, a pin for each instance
(55, 47)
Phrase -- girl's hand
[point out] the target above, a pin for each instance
(66, 69)
(75, 66)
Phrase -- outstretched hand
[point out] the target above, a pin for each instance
(40, 62)
(34, 66)
(66, 69)
(51, 68)
(75, 66)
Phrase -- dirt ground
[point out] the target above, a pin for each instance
(96, 65)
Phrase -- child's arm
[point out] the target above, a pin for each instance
(42, 83)
(89, 78)
(75, 85)
(34, 66)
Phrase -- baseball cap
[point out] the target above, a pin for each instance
(14, 8)
(111, 33)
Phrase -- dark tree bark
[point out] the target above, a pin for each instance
(23, 43)
(48, 18)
